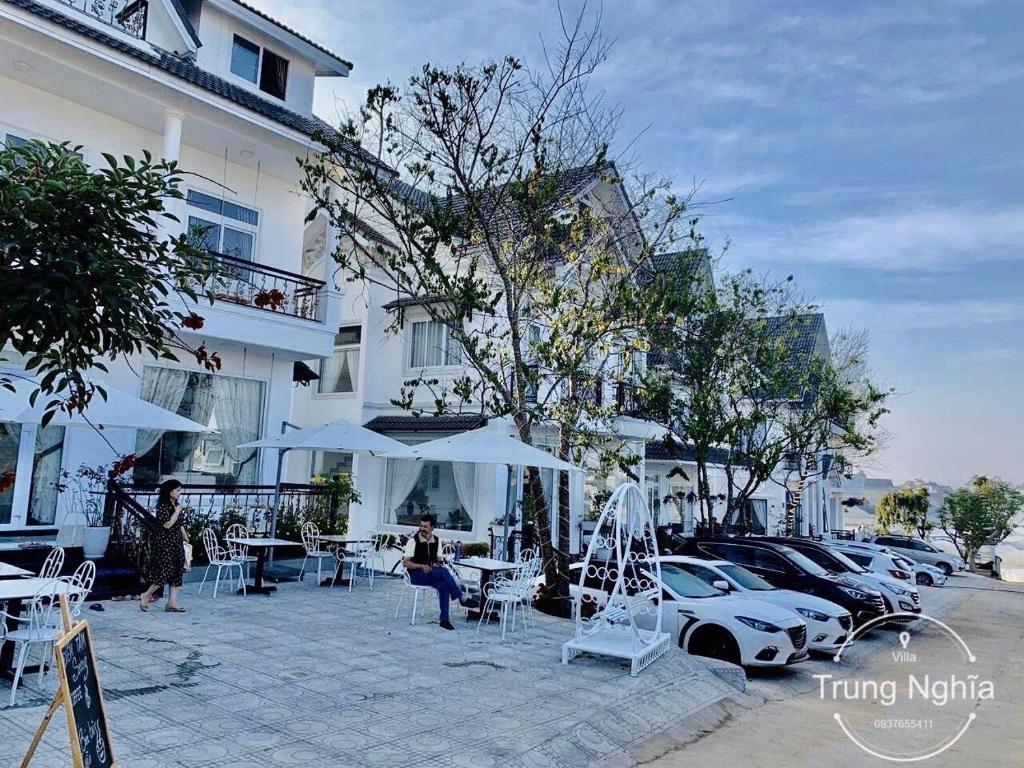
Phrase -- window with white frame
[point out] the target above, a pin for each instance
(260, 66)
(222, 226)
(431, 345)
(340, 372)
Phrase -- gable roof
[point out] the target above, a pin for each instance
(187, 71)
(285, 28)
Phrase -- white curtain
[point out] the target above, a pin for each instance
(402, 477)
(163, 387)
(46, 474)
(200, 410)
(547, 482)
(238, 408)
(341, 371)
(577, 497)
(465, 485)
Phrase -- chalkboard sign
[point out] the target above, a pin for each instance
(83, 700)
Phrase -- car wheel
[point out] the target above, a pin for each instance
(946, 569)
(924, 580)
(714, 642)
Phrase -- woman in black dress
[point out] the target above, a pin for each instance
(166, 548)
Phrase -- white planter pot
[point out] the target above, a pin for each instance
(94, 542)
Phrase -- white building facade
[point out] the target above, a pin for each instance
(228, 93)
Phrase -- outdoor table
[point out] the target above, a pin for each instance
(488, 567)
(14, 592)
(12, 571)
(341, 540)
(262, 547)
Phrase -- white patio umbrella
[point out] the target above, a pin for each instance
(337, 435)
(119, 409)
(485, 446)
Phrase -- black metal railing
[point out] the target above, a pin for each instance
(250, 284)
(219, 506)
(129, 16)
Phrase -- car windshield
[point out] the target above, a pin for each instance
(745, 578)
(855, 567)
(685, 584)
(807, 564)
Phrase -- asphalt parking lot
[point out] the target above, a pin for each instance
(791, 723)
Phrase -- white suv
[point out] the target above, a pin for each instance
(922, 551)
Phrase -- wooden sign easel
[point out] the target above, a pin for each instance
(63, 697)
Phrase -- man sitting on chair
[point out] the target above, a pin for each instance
(423, 562)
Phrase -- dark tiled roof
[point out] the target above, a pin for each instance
(189, 72)
(659, 451)
(291, 31)
(801, 332)
(460, 423)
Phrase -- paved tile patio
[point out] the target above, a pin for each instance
(312, 676)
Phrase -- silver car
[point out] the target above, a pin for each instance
(921, 551)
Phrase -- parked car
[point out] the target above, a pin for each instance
(785, 568)
(922, 551)
(828, 624)
(706, 621)
(869, 567)
(924, 575)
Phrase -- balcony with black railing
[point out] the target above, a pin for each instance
(266, 288)
(128, 16)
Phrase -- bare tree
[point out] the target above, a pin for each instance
(510, 222)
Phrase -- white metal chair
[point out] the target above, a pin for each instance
(416, 591)
(311, 543)
(509, 594)
(53, 563)
(221, 558)
(81, 582)
(42, 627)
(366, 556)
(239, 552)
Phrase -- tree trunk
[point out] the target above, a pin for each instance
(969, 553)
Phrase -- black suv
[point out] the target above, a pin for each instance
(784, 567)
(840, 563)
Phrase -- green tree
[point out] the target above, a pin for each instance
(87, 269)
(906, 507)
(978, 514)
(509, 225)
(740, 387)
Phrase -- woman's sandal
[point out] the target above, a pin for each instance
(144, 606)
(174, 609)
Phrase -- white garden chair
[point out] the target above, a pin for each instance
(367, 557)
(509, 594)
(311, 543)
(416, 589)
(221, 558)
(53, 563)
(43, 625)
(239, 552)
(81, 582)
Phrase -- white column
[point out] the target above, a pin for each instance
(173, 122)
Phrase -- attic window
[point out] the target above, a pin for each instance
(260, 67)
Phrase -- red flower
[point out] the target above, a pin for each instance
(123, 464)
(6, 480)
(193, 321)
(274, 298)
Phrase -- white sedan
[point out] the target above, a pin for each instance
(705, 621)
(828, 624)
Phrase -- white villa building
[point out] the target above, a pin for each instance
(228, 92)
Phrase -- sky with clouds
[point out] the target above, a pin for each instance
(872, 150)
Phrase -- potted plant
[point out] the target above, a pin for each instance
(87, 486)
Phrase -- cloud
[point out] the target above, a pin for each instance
(910, 316)
(925, 239)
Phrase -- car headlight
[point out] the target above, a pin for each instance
(896, 589)
(807, 613)
(856, 594)
(760, 626)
